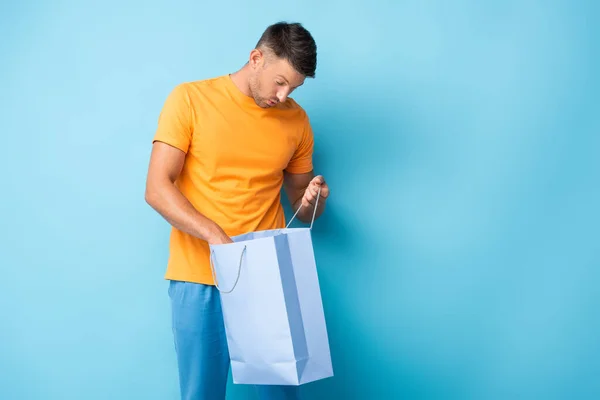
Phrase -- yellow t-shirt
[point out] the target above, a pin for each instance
(236, 153)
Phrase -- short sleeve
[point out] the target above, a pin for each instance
(175, 120)
(302, 160)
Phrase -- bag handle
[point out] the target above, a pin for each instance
(314, 211)
(212, 270)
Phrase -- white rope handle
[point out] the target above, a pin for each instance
(314, 211)
(212, 270)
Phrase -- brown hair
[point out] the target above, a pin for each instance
(292, 42)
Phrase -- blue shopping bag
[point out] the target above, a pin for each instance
(272, 307)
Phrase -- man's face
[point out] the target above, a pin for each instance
(272, 79)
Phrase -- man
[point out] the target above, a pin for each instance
(223, 149)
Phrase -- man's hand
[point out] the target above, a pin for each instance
(218, 236)
(311, 192)
(302, 189)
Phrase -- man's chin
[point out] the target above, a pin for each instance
(261, 103)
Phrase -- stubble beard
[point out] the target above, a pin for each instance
(254, 86)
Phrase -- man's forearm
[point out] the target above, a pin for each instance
(169, 202)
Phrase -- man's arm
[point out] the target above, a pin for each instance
(163, 196)
(303, 189)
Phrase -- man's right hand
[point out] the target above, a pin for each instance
(218, 236)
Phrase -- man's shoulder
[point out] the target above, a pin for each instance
(294, 110)
(291, 104)
(195, 93)
(202, 85)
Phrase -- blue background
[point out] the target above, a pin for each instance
(459, 256)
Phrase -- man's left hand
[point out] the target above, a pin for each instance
(310, 194)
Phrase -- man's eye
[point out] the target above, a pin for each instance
(279, 83)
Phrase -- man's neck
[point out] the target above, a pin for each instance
(240, 79)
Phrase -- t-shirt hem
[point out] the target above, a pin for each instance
(170, 142)
(300, 169)
(201, 279)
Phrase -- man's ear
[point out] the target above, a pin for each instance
(257, 58)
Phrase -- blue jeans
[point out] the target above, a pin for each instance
(201, 345)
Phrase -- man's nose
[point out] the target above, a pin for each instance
(282, 95)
